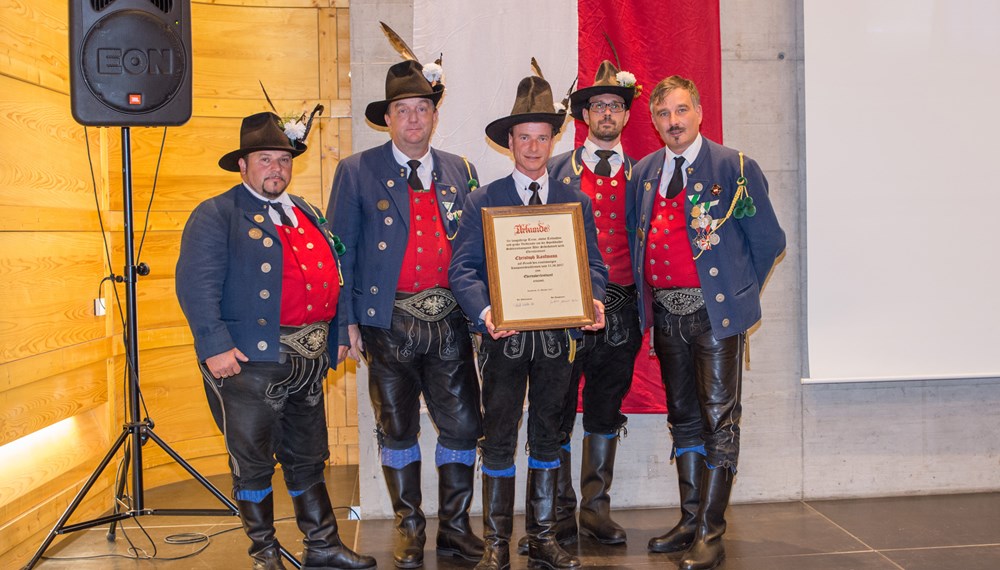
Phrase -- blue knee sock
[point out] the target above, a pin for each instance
(253, 496)
(444, 456)
(400, 458)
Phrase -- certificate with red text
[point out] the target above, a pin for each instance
(538, 269)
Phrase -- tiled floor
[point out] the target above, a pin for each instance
(944, 532)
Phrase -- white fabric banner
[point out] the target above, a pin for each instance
(487, 49)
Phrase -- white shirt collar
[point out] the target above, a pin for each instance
(521, 182)
(285, 200)
(689, 154)
(590, 157)
(426, 164)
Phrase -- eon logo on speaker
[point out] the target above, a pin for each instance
(115, 61)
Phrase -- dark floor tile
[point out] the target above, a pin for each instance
(957, 558)
(915, 522)
(841, 561)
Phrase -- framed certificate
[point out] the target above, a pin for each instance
(537, 264)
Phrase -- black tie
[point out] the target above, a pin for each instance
(413, 180)
(677, 180)
(603, 167)
(285, 220)
(535, 199)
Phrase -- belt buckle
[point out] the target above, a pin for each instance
(309, 341)
(616, 297)
(429, 305)
(681, 302)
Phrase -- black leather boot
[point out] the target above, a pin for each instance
(566, 529)
(404, 491)
(544, 550)
(258, 522)
(455, 537)
(498, 522)
(690, 467)
(706, 551)
(596, 474)
(323, 548)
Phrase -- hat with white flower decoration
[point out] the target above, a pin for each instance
(532, 104)
(261, 131)
(406, 79)
(608, 79)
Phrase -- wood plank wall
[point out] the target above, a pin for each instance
(61, 367)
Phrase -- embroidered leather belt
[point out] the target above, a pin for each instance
(308, 341)
(429, 305)
(617, 296)
(681, 301)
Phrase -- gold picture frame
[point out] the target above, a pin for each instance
(538, 267)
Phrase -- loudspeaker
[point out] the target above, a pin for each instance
(130, 62)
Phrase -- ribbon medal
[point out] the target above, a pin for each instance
(703, 223)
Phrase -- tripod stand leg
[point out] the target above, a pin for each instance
(57, 529)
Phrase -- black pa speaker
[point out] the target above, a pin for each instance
(130, 62)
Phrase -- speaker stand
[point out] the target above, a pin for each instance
(137, 431)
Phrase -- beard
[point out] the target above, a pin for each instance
(606, 131)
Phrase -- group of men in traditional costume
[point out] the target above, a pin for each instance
(395, 275)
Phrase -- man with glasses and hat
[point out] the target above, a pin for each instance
(706, 239)
(602, 170)
(258, 280)
(397, 207)
(510, 361)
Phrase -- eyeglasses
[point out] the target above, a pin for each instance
(600, 106)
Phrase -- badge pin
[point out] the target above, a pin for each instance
(255, 233)
(259, 219)
(648, 186)
(382, 205)
(698, 187)
(566, 180)
(716, 189)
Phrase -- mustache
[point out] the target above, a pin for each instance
(675, 130)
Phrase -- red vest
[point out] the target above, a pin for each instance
(310, 284)
(428, 251)
(607, 195)
(668, 259)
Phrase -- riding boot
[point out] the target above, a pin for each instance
(544, 550)
(690, 467)
(498, 522)
(258, 522)
(323, 549)
(596, 474)
(404, 491)
(566, 529)
(455, 537)
(706, 551)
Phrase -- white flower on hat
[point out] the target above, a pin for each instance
(625, 79)
(560, 107)
(433, 73)
(295, 130)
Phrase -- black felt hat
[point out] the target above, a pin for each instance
(404, 80)
(533, 104)
(261, 131)
(605, 81)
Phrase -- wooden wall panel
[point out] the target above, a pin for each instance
(36, 45)
(49, 282)
(37, 126)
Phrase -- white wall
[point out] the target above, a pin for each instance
(817, 441)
